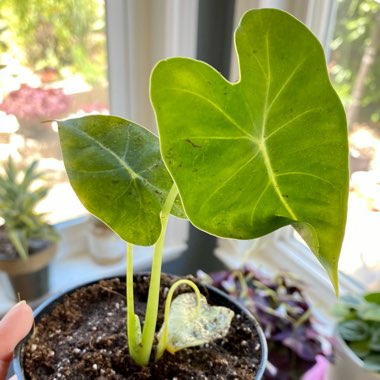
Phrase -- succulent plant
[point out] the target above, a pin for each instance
(23, 226)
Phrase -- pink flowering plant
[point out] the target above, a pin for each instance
(33, 105)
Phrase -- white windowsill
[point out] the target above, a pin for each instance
(72, 264)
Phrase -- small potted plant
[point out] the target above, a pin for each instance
(27, 241)
(284, 314)
(238, 160)
(357, 338)
(104, 245)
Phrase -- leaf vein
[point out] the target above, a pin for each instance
(285, 84)
(258, 201)
(217, 138)
(122, 163)
(291, 121)
(307, 174)
(234, 174)
(217, 107)
(267, 162)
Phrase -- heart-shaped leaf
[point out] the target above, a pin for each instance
(262, 153)
(189, 325)
(115, 168)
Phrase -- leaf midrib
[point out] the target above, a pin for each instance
(122, 163)
(260, 142)
(263, 145)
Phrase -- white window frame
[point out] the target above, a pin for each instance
(164, 28)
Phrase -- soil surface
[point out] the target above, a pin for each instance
(85, 338)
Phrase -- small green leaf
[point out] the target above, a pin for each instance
(115, 168)
(373, 297)
(343, 312)
(190, 326)
(265, 152)
(361, 348)
(374, 342)
(370, 312)
(353, 330)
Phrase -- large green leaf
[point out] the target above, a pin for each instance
(262, 153)
(115, 168)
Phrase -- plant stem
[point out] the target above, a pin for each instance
(163, 340)
(154, 285)
(133, 322)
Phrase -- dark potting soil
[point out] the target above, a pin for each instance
(85, 338)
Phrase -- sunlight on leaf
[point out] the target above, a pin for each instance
(265, 152)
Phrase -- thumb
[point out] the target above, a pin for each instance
(13, 328)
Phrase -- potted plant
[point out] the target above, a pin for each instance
(357, 338)
(294, 344)
(104, 245)
(238, 160)
(27, 241)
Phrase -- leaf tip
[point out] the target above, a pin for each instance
(310, 236)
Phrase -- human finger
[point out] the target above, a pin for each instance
(14, 326)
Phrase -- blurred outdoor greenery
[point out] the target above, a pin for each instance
(357, 35)
(65, 36)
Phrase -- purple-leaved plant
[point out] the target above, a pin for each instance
(284, 314)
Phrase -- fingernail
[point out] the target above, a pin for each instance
(18, 304)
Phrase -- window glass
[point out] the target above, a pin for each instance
(355, 71)
(52, 66)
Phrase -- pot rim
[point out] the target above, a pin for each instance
(35, 262)
(52, 301)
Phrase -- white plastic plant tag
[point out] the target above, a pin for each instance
(190, 325)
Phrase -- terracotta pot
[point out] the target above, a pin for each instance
(214, 295)
(29, 278)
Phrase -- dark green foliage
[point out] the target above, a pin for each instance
(359, 326)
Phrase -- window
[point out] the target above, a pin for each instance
(139, 33)
(52, 66)
(355, 71)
